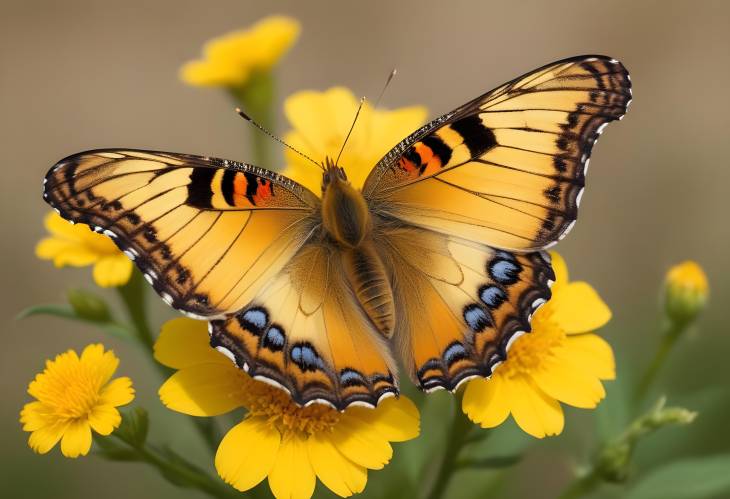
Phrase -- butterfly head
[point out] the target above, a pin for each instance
(345, 213)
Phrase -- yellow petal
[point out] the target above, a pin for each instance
(536, 413)
(76, 439)
(292, 476)
(105, 363)
(337, 473)
(43, 439)
(36, 415)
(486, 401)
(64, 253)
(185, 342)
(361, 443)
(104, 419)
(203, 390)
(396, 419)
(562, 380)
(58, 226)
(118, 392)
(593, 354)
(323, 118)
(247, 453)
(577, 308)
(112, 271)
(560, 268)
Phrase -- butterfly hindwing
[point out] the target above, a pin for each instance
(207, 233)
(507, 169)
(305, 332)
(460, 304)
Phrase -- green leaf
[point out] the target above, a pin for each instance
(113, 328)
(695, 478)
(49, 309)
(133, 430)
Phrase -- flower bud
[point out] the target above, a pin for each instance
(685, 291)
(88, 306)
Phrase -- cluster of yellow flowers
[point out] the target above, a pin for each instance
(561, 361)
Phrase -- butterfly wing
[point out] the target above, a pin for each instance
(508, 168)
(306, 333)
(207, 233)
(460, 304)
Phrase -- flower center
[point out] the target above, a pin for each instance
(73, 396)
(531, 350)
(276, 406)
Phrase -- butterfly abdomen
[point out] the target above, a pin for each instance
(368, 278)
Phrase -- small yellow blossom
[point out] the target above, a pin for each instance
(291, 445)
(231, 59)
(559, 361)
(320, 122)
(74, 396)
(686, 291)
(79, 246)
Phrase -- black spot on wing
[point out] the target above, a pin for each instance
(477, 137)
(227, 185)
(438, 147)
(200, 192)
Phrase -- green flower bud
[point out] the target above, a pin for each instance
(685, 292)
(89, 306)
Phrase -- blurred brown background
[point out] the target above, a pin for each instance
(81, 74)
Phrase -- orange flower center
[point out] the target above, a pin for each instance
(72, 395)
(528, 353)
(276, 406)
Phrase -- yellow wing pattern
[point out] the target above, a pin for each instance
(507, 169)
(207, 233)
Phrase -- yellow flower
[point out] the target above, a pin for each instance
(229, 60)
(686, 291)
(79, 246)
(291, 445)
(321, 121)
(559, 361)
(74, 396)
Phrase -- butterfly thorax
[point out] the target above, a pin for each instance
(347, 220)
(345, 212)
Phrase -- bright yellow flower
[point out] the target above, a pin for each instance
(79, 246)
(559, 361)
(291, 445)
(74, 396)
(321, 121)
(229, 60)
(686, 291)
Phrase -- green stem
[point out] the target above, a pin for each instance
(133, 296)
(257, 100)
(669, 338)
(182, 472)
(582, 486)
(455, 440)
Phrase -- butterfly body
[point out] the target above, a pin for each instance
(436, 259)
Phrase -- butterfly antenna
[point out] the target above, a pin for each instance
(387, 82)
(359, 108)
(254, 123)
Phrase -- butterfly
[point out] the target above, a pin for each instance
(439, 260)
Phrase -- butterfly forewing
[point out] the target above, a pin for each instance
(207, 233)
(507, 169)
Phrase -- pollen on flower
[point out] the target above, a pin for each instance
(531, 350)
(280, 411)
